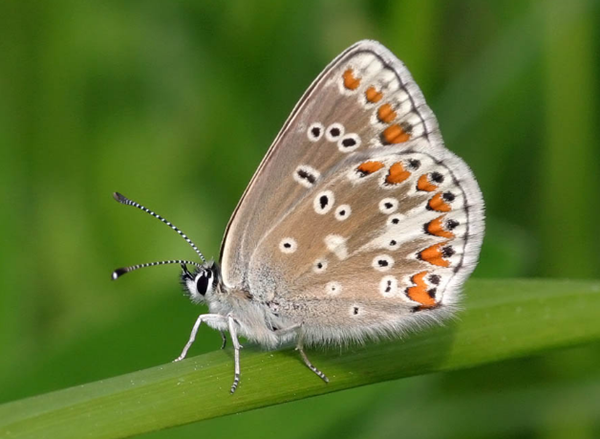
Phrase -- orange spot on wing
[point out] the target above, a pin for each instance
(434, 256)
(419, 292)
(436, 227)
(425, 185)
(438, 203)
(395, 134)
(373, 95)
(367, 168)
(397, 174)
(350, 81)
(386, 113)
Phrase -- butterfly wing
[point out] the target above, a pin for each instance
(357, 206)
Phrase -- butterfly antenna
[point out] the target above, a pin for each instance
(121, 271)
(124, 200)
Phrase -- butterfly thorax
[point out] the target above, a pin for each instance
(256, 320)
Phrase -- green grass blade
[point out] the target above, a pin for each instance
(503, 319)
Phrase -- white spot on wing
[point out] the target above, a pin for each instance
(334, 132)
(320, 265)
(337, 245)
(304, 174)
(324, 202)
(349, 143)
(315, 131)
(355, 310)
(333, 288)
(388, 205)
(382, 262)
(343, 212)
(394, 220)
(392, 244)
(288, 245)
(388, 286)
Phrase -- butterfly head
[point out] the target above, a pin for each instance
(200, 283)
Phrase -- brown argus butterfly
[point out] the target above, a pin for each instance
(358, 223)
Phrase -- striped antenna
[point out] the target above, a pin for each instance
(124, 200)
(121, 271)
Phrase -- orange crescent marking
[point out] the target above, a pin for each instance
(436, 227)
(350, 81)
(425, 185)
(434, 256)
(369, 167)
(373, 95)
(386, 113)
(438, 204)
(418, 293)
(397, 174)
(395, 134)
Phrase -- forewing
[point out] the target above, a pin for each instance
(364, 102)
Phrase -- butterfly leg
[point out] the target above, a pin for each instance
(236, 352)
(286, 331)
(224, 338)
(300, 348)
(201, 318)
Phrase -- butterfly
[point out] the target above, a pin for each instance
(358, 224)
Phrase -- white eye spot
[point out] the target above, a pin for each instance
(388, 286)
(337, 245)
(382, 262)
(343, 212)
(320, 265)
(323, 202)
(349, 143)
(333, 288)
(392, 244)
(388, 205)
(288, 245)
(394, 220)
(334, 132)
(306, 175)
(315, 131)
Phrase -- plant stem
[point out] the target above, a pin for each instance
(502, 319)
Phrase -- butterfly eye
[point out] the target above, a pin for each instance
(202, 282)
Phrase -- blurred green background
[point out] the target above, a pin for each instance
(174, 103)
